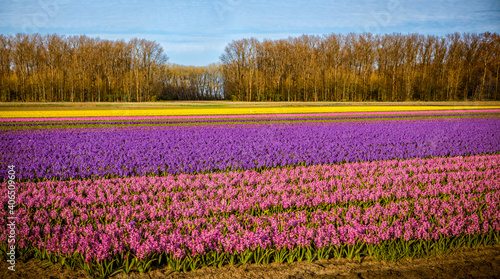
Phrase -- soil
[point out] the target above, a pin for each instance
(481, 262)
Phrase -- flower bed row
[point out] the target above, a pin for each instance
(248, 116)
(67, 153)
(387, 209)
(225, 111)
(243, 120)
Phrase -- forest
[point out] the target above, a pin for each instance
(54, 68)
(364, 67)
(334, 67)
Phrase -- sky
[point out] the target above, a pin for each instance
(195, 32)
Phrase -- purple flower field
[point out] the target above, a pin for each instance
(134, 152)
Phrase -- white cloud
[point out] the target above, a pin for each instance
(200, 29)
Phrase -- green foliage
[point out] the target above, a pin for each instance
(392, 250)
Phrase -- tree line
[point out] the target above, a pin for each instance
(36, 67)
(364, 67)
(335, 67)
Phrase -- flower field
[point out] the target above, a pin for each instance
(226, 111)
(116, 193)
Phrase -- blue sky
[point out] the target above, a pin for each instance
(195, 32)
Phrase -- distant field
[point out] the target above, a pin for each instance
(10, 110)
(222, 104)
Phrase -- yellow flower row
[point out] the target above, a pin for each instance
(225, 111)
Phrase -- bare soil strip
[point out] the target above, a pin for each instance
(481, 262)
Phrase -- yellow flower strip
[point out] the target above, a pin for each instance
(226, 111)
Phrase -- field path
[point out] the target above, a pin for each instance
(481, 262)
